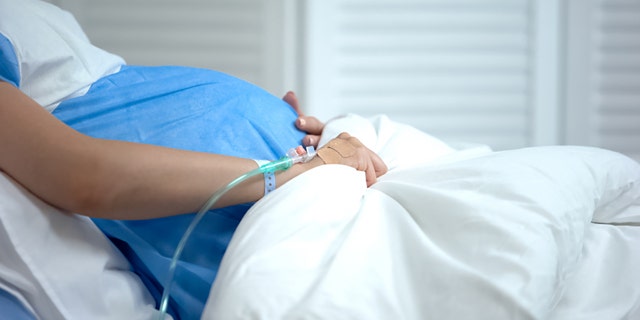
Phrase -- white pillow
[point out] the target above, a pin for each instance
(56, 60)
(61, 266)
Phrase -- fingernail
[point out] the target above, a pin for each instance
(310, 140)
(301, 122)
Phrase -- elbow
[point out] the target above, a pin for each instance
(87, 199)
(88, 191)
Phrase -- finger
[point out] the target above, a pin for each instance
(362, 160)
(379, 166)
(310, 125)
(345, 135)
(291, 98)
(311, 140)
(375, 166)
(370, 173)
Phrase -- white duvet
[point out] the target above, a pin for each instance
(536, 233)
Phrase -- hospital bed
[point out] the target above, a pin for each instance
(452, 231)
(447, 233)
(534, 233)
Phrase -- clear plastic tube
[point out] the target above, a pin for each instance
(282, 164)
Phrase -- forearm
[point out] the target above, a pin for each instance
(120, 180)
(135, 181)
(143, 181)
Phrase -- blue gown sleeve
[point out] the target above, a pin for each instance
(12, 308)
(9, 69)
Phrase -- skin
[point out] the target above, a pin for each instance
(309, 124)
(122, 180)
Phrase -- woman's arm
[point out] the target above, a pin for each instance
(122, 180)
(107, 178)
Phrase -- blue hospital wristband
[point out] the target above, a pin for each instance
(269, 178)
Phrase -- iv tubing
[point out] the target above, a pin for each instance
(282, 164)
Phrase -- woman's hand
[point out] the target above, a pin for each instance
(348, 150)
(344, 149)
(311, 125)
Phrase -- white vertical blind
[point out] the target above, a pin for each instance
(603, 96)
(458, 69)
(616, 66)
(546, 59)
(239, 37)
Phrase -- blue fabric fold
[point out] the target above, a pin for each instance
(9, 68)
(13, 308)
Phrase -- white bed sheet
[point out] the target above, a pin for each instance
(60, 266)
(536, 233)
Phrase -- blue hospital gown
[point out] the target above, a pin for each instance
(192, 109)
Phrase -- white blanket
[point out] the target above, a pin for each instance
(536, 233)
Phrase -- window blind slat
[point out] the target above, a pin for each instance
(225, 35)
(455, 69)
(616, 70)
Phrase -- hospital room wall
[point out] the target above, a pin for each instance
(508, 73)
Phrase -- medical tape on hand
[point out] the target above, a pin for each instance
(335, 151)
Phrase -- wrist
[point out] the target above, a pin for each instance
(297, 169)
